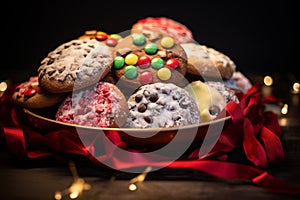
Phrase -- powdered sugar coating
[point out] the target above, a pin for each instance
(226, 92)
(242, 81)
(99, 106)
(83, 61)
(208, 62)
(161, 105)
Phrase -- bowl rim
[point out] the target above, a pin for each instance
(201, 124)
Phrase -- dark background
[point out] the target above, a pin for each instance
(259, 36)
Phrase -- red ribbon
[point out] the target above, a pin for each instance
(251, 130)
(256, 129)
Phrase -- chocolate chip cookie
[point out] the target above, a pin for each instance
(160, 105)
(75, 65)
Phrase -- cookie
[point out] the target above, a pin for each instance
(239, 82)
(30, 95)
(147, 57)
(74, 65)
(207, 62)
(180, 32)
(109, 78)
(161, 105)
(88, 35)
(210, 101)
(228, 93)
(111, 40)
(102, 105)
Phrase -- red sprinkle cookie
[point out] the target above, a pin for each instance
(103, 105)
(30, 95)
(168, 26)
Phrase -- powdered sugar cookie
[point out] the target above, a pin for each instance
(74, 65)
(161, 105)
(208, 62)
(226, 92)
(102, 105)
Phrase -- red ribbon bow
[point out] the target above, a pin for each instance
(258, 132)
(251, 130)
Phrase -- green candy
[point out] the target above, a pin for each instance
(157, 63)
(118, 62)
(130, 72)
(138, 39)
(151, 48)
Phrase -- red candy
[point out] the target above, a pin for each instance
(111, 42)
(101, 37)
(172, 63)
(40, 91)
(144, 62)
(145, 78)
(30, 92)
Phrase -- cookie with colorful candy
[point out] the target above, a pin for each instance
(146, 57)
(110, 40)
(29, 94)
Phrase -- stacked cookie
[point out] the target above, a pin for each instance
(138, 80)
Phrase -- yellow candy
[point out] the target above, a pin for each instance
(131, 59)
(115, 36)
(167, 42)
(164, 74)
(101, 33)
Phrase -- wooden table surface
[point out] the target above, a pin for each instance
(39, 180)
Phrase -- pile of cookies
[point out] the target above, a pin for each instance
(154, 76)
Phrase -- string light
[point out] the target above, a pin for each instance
(3, 88)
(296, 88)
(283, 122)
(57, 195)
(138, 179)
(284, 109)
(268, 80)
(76, 188)
(132, 187)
